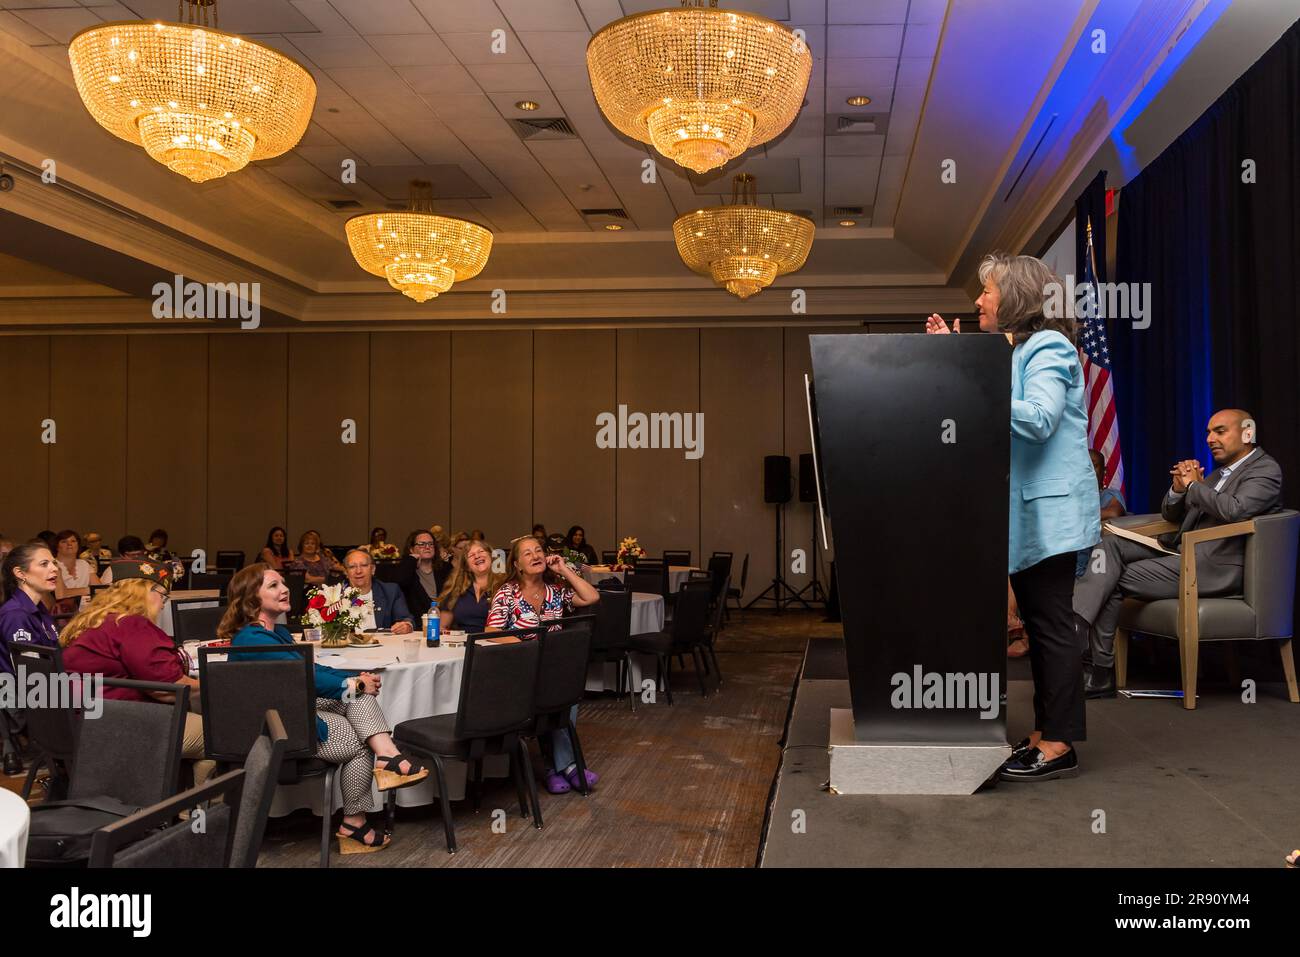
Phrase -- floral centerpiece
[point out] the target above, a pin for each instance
(337, 610)
(575, 560)
(629, 550)
(384, 551)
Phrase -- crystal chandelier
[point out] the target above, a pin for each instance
(700, 85)
(200, 101)
(420, 254)
(744, 246)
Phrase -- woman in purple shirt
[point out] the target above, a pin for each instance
(28, 578)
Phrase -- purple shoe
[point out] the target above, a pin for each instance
(592, 778)
(557, 784)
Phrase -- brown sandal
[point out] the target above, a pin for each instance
(355, 840)
(387, 779)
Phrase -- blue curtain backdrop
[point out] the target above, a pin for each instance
(1222, 257)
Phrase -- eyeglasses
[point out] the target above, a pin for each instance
(424, 544)
(166, 595)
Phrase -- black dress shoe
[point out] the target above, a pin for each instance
(1019, 748)
(1099, 682)
(12, 764)
(1031, 765)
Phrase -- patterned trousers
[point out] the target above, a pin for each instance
(351, 724)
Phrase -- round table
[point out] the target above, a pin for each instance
(15, 818)
(676, 575)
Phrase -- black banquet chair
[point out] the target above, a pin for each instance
(51, 731)
(497, 691)
(677, 557)
(611, 639)
(193, 622)
(561, 682)
(686, 632)
(209, 581)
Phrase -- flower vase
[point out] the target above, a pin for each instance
(334, 635)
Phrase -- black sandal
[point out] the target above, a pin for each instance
(387, 779)
(356, 841)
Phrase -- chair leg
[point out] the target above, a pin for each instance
(716, 669)
(478, 784)
(448, 827)
(699, 671)
(627, 672)
(532, 784)
(39, 760)
(1190, 649)
(1288, 665)
(665, 666)
(327, 816)
(1121, 657)
(517, 773)
(390, 811)
(581, 761)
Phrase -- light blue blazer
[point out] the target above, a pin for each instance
(1053, 487)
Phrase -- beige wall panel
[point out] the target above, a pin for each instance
(247, 439)
(491, 433)
(328, 479)
(573, 480)
(25, 501)
(88, 462)
(167, 439)
(740, 379)
(410, 431)
(659, 489)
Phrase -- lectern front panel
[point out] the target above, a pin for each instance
(914, 435)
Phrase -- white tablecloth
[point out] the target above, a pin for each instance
(15, 817)
(676, 574)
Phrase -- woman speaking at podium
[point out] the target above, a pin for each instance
(1053, 500)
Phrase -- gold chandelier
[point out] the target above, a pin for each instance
(419, 253)
(200, 101)
(743, 246)
(700, 85)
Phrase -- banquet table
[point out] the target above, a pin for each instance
(15, 819)
(676, 575)
(426, 686)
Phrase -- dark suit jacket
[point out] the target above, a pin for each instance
(1253, 488)
(390, 604)
(417, 599)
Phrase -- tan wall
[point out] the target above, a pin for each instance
(217, 438)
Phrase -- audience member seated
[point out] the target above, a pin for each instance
(1246, 482)
(539, 532)
(577, 540)
(1112, 500)
(379, 547)
(94, 551)
(76, 575)
(117, 635)
(130, 548)
(316, 560)
(421, 573)
(385, 605)
(157, 546)
(478, 535)
(6, 546)
(459, 542)
(49, 538)
(467, 596)
(444, 543)
(350, 727)
(542, 588)
(28, 577)
(276, 552)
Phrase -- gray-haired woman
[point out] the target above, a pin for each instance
(1054, 511)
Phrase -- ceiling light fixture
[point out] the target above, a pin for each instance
(527, 105)
(200, 101)
(613, 227)
(858, 101)
(700, 85)
(420, 254)
(848, 222)
(744, 246)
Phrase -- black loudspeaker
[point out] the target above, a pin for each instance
(807, 480)
(776, 479)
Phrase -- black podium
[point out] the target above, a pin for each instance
(912, 440)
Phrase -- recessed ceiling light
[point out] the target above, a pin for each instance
(527, 105)
(613, 227)
(858, 100)
(848, 222)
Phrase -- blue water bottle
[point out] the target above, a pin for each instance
(433, 626)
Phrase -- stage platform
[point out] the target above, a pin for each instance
(1214, 787)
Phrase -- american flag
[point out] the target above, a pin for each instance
(1103, 425)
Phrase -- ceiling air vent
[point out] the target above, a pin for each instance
(544, 128)
(344, 203)
(846, 210)
(605, 213)
(850, 124)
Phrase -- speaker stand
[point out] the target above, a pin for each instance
(779, 591)
(814, 587)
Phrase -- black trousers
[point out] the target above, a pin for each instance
(1045, 594)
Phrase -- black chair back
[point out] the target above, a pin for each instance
(498, 685)
(211, 580)
(387, 570)
(53, 731)
(262, 771)
(237, 693)
(691, 613)
(191, 622)
(132, 751)
(723, 555)
(608, 557)
(296, 581)
(136, 841)
(229, 561)
(562, 672)
(677, 557)
(744, 573)
(613, 628)
(719, 571)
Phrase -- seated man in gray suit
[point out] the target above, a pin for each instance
(1246, 482)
